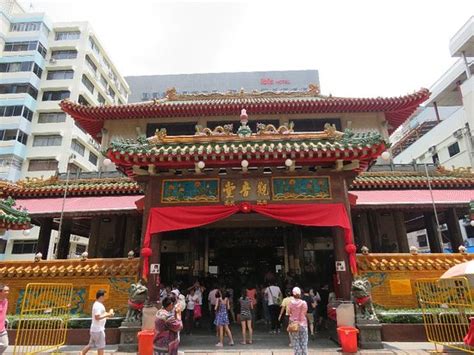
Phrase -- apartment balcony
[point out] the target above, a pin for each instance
(463, 40)
(12, 147)
(15, 122)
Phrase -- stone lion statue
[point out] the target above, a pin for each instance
(361, 289)
(137, 295)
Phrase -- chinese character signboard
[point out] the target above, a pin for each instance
(238, 190)
(234, 190)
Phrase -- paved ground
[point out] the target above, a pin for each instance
(203, 343)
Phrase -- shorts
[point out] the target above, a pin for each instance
(97, 340)
(310, 318)
(3, 341)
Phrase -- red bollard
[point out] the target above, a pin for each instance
(348, 339)
(145, 342)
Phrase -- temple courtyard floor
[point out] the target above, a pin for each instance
(202, 342)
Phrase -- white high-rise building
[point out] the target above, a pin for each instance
(442, 132)
(42, 63)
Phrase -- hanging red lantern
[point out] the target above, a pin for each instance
(146, 252)
(351, 249)
(245, 207)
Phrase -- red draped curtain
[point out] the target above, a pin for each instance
(165, 219)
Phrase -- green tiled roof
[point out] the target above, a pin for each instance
(258, 144)
(11, 217)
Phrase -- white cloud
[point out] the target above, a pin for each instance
(361, 48)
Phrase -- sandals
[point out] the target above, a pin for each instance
(243, 342)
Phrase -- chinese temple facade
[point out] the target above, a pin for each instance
(242, 183)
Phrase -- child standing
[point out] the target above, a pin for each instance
(99, 317)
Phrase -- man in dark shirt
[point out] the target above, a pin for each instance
(309, 315)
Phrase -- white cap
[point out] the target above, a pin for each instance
(175, 292)
(296, 291)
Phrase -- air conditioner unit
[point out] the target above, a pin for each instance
(52, 60)
(432, 149)
(457, 133)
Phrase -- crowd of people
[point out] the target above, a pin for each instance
(301, 312)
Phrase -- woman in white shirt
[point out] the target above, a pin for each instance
(191, 301)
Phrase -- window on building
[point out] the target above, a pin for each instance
(67, 35)
(9, 111)
(453, 149)
(315, 124)
(93, 45)
(47, 140)
(422, 240)
(111, 92)
(8, 134)
(21, 67)
(13, 134)
(42, 165)
(56, 95)
(19, 89)
(52, 117)
(83, 101)
(25, 26)
(145, 96)
(80, 248)
(64, 54)
(172, 129)
(60, 74)
(42, 50)
(103, 81)
(91, 64)
(3, 245)
(78, 147)
(25, 46)
(22, 137)
(11, 161)
(435, 158)
(93, 158)
(73, 168)
(88, 84)
(24, 246)
(101, 99)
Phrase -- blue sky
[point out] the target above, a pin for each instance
(361, 48)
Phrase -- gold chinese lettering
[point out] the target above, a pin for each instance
(245, 189)
(262, 189)
(229, 188)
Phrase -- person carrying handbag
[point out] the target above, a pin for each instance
(298, 327)
(274, 297)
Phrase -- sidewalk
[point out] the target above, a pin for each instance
(389, 348)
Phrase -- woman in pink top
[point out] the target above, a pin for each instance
(298, 309)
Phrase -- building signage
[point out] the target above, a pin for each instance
(301, 188)
(190, 191)
(235, 190)
(238, 190)
(270, 81)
